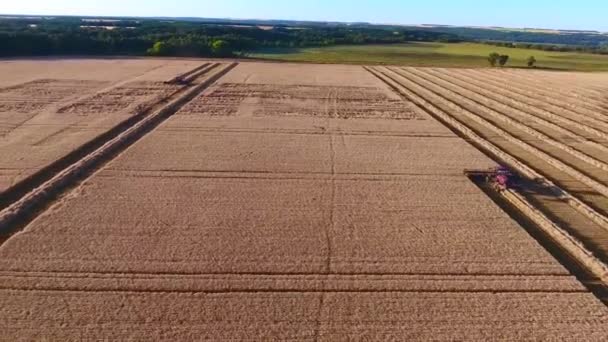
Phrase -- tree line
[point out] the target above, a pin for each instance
(70, 36)
(601, 50)
(576, 41)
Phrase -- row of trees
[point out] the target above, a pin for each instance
(580, 41)
(601, 49)
(192, 48)
(497, 59)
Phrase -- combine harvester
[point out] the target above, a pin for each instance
(500, 178)
(511, 189)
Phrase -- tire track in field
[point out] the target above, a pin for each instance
(544, 102)
(488, 107)
(589, 92)
(533, 76)
(518, 157)
(477, 136)
(587, 105)
(188, 74)
(558, 172)
(546, 88)
(570, 130)
(549, 101)
(585, 224)
(438, 93)
(24, 207)
(588, 149)
(531, 86)
(26, 185)
(497, 93)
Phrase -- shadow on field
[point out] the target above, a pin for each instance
(529, 188)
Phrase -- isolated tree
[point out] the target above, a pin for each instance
(159, 49)
(493, 58)
(531, 61)
(221, 48)
(503, 59)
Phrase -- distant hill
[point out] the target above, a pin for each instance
(524, 35)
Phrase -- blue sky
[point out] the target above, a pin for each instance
(562, 14)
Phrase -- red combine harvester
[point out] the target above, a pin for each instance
(500, 178)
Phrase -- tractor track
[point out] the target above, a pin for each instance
(531, 87)
(18, 190)
(188, 73)
(477, 138)
(21, 204)
(573, 91)
(581, 221)
(487, 106)
(573, 130)
(591, 93)
(505, 90)
(552, 157)
(516, 101)
(564, 247)
(545, 102)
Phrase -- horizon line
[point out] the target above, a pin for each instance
(301, 20)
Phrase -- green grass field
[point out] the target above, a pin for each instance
(436, 54)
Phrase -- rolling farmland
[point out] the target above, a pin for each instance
(183, 200)
(434, 54)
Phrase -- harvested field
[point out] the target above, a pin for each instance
(565, 144)
(303, 202)
(229, 99)
(45, 120)
(30, 97)
(129, 96)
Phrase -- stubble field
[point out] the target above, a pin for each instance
(301, 202)
(47, 110)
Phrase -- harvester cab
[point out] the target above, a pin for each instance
(501, 178)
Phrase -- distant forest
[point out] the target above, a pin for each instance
(576, 41)
(78, 36)
(38, 36)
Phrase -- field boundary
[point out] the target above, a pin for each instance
(17, 214)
